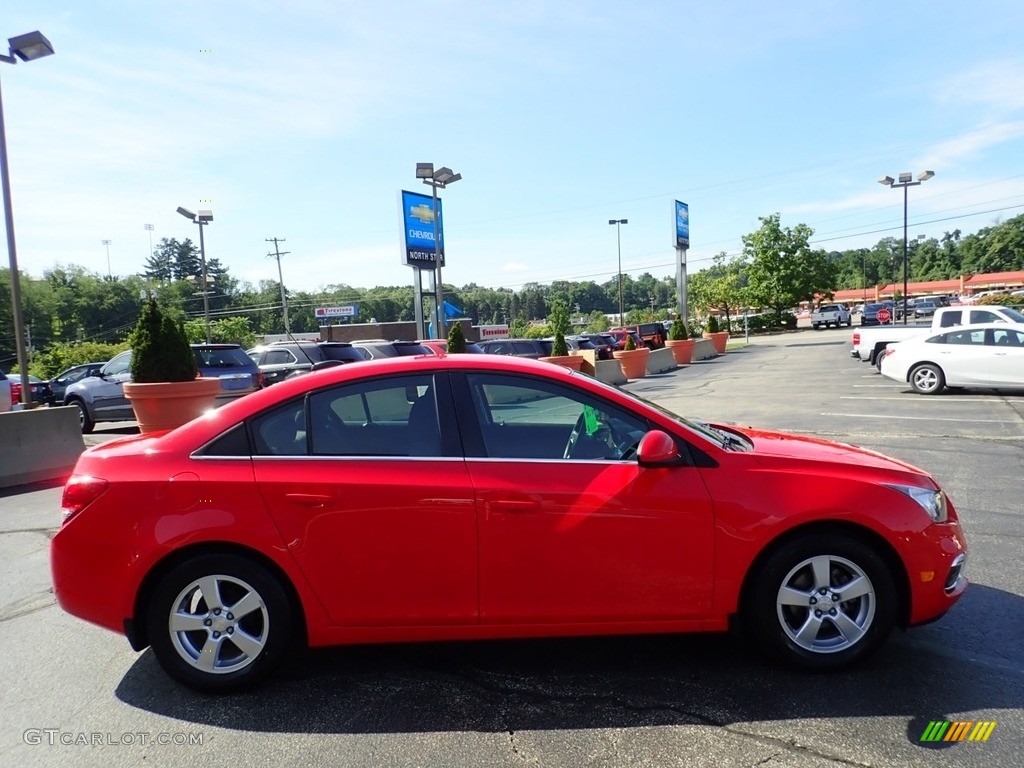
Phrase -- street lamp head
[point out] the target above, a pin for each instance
(886, 181)
(205, 216)
(618, 221)
(186, 213)
(906, 177)
(424, 170)
(925, 175)
(31, 46)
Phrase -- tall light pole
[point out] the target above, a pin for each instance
(905, 180)
(149, 228)
(618, 238)
(202, 219)
(107, 244)
(27, 48)
(442, 177)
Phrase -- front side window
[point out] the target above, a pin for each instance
(278, 357)
(118, 365)
(522, 418)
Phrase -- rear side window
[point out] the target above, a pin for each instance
(225, 357)
(951, 318)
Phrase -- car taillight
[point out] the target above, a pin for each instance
(80, 492)
(15, 392)
(856, 338)
(889, 351)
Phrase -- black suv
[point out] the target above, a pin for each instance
(276, 361)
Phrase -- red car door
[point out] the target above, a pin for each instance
(373, 503)
(579, 532)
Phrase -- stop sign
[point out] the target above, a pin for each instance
(884, 315)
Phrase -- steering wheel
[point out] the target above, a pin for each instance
(577, 430)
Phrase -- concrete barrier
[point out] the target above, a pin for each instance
(704, 349)
(609, 371)
(661, 360)
(40, 444)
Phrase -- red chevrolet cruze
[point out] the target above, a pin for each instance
(482, 496)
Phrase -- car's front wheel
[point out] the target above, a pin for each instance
(927, 379)
(219, 622)
(821, 602)
(84, 420)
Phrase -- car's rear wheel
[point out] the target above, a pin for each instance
(821, 602)
(219, 622)
(927, 379)
(84, 420)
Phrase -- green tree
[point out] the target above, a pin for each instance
(783, 269)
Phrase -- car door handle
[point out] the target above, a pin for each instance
(513, 506)
(313, 500)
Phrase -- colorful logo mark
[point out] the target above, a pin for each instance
(958, 730)
(424, 213)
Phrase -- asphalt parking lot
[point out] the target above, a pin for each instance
(655, 701)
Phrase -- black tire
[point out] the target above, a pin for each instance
(927, 379)
(849, 322)
(878, 362)
(267, 627)
(813, 635)
(84, 420)
(816, 326)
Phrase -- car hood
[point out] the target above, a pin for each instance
(769, 446)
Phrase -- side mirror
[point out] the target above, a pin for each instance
(658, 449)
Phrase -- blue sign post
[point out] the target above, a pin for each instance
(682, 219)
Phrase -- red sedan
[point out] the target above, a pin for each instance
(484, 496)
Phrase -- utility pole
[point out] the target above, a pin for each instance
(280, 277)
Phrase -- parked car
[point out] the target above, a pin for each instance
(925, 307)
(604, 344)
(5, 393)
(67, 377)
(38, 388)
(989, 355)
(556, 505)
(619, 334)
(529, 348)
(440, 346)
(375, 350)
(831, 314)
(652, 335)
(279, 360)
(101, 398)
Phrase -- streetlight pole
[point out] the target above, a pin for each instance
(905, 180)
(149, 228)
(109, 273)
(25, 47)
(618, 239)
(442, 177)
(202, 219)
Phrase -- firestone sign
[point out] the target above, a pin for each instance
(349, 310)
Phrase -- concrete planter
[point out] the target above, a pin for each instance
(566, 361)
(719, 339)
(633, 361)
(164, 406)
(682, 349)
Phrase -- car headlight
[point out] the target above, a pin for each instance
(933, 502)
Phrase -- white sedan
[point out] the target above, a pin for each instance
(987, 355)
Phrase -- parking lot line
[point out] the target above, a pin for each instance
(949, 400)
(919, 418)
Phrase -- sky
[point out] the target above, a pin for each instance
(304, 120)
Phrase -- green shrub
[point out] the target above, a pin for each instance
(59, 357)
(1002, 299)
(678, 330)
(559, 348)
(456, 339)
(630, 344)
(712, 326)
(160, 351)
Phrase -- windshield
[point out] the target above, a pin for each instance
(1017, 316)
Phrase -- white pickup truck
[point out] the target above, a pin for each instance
(831, 314)
(869, 343)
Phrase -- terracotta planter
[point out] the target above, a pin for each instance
(160, 407)
(633, 362)
(682, 349)
(719, 339)
(566, 361)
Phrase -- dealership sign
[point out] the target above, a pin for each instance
(349, 310)
(419, 247)
(682, 225)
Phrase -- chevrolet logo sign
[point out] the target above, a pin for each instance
(423, 212)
